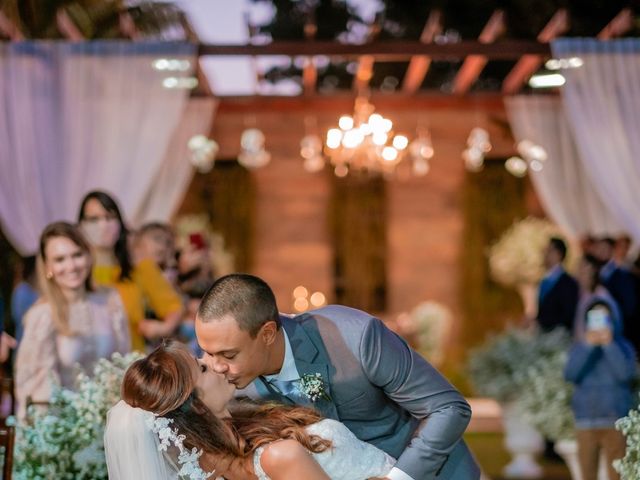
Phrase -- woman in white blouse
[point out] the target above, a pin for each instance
(71, 326)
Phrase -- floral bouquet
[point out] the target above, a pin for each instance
(498, 368)
(66, 441)
(517, 257)
(545, 401)
(629, 466)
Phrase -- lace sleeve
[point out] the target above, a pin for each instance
(36, 362)
(257, 466)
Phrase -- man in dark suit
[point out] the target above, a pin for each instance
(558, 293)
(381, 389)
(621, 285)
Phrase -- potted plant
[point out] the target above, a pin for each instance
(498, 370)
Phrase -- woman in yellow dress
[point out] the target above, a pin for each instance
(140, 286)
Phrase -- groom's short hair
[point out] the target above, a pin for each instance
(248, 299)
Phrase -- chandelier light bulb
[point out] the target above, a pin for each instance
(420, 167)
(365, 129)
(400, 142)
(537, 153)
(341, 171)
(389, 154)
(524, 146)
(516, 166)
(375, 120)
(387, 125)
(536, 165)
(352, 138)
(313, 164)
(379, 138)
(345, 122)
(334, 137)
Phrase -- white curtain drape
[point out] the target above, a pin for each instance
(563, 185)
(602, 103)
(80, 116)
(174, 176)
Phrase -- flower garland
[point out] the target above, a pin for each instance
(66, 441)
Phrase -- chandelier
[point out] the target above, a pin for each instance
(366, 141)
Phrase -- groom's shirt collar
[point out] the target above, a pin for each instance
(288, 372)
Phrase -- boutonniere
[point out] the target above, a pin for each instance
(312, 386)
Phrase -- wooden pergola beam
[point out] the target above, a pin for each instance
(364, 71)
(309, 71)
(385, 51)
(473, 64)
(419, 64)
(618, 26)
(529, 63)
(344, 102)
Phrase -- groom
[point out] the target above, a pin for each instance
(346, 364)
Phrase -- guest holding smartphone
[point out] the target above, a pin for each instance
(601, 365)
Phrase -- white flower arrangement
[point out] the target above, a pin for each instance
(517, 257)
(312, 386)
(432, 322)
(66, 441)
(498, 368)
(545, 401)
(629, 466)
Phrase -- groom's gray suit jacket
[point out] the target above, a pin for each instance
(382, 390)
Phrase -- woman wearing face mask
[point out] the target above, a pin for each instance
(140, 285)
(71, 324)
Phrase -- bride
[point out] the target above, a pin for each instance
(171, 399)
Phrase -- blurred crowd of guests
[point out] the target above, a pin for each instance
(600, 308)
(95, 288)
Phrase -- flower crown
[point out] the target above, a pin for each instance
(187, 459)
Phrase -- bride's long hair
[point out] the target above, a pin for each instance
(163, 383)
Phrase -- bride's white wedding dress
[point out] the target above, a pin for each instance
(347, 459)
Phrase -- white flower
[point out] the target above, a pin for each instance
(66, 441)
(629, 466)
(312, 386)
(517, 257)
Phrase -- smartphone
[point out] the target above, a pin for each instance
(597, 319)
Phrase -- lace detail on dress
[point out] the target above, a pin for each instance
(348, 459)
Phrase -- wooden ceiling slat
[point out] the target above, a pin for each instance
(385, 51)
(529, 63)
(473, 64)
(309, 71)
(365, 63)
(621, 24)
(419, 64)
